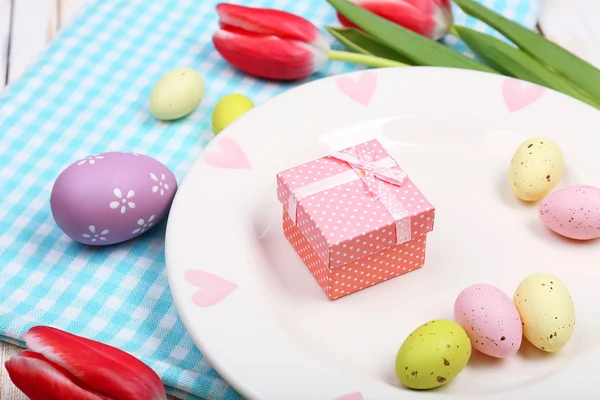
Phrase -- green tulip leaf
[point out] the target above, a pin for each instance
(361, 42)
(514, 62)
(582, 74)
(418, 49)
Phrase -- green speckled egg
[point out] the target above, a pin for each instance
(228, 109)
(433, 355)
(176, 94)
(535, 169)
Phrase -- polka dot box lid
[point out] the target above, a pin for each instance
(355, 203)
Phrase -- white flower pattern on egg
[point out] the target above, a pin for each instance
(124, 201)
(160, 184)
(119, 194)
(90, 160)
(144, 225)
(93, 236)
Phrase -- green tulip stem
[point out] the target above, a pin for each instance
(452, 30)
(368, 60)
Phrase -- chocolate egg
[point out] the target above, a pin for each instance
(176, 94)
(228, 109)
(490, 319)
(535, 169)
(433, 355)
(547, 311)
(111, 197)
(573, 212)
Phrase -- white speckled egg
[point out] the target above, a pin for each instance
(491, 320)
(573, 212)
(535, 169)
(547, 311)
(176, 94)
(111, 197)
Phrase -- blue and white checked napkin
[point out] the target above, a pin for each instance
(87, 94)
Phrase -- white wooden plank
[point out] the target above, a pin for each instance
(8, 391)
(34, 24)
(589, 13)
(570, 24)
(68, 10)
(5, 14)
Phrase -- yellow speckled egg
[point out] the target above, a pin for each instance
(547, 311)
(433, 354)
(176, 94)
(228, 109)
(535, 169)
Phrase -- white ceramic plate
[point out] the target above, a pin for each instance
(264, 323)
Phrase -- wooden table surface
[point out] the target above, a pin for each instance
(26, 26)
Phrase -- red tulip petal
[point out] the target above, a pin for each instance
(62, 371)
(271, 22)
(40, 379)
(110, 371)
(443, 3)
(430, 18)
(268, 56)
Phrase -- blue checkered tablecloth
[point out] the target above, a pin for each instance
(86, 94)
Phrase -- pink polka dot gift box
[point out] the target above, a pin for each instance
(355, 218)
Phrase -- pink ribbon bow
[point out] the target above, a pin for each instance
(361, 160)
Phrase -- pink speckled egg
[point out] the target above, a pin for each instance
(491, 320)
(111, 197)
(573, 212)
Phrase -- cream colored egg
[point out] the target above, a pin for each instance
(176, 94)
(547, 311)
(228, 109)
(535, 169)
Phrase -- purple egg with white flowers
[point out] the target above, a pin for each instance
(111, 197)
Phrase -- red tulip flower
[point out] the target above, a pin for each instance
(430, 18)
(60, 366)
(276, 45)
(269, 43)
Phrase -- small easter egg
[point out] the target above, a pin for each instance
(573, 212)
(111, 197)
(176, 94)
(433, 354)
(228, 109)
(490, 319)
(535, 169)
(547, 311)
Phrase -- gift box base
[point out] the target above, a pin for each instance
(362, 273)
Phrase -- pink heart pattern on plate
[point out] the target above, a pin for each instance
(351, 396)
(213, 289)
(360, 90)
(518, 94)
(230, 156)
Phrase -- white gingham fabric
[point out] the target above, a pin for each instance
(88, 94)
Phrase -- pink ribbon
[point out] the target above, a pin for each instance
(374, 174)
(361, 160)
